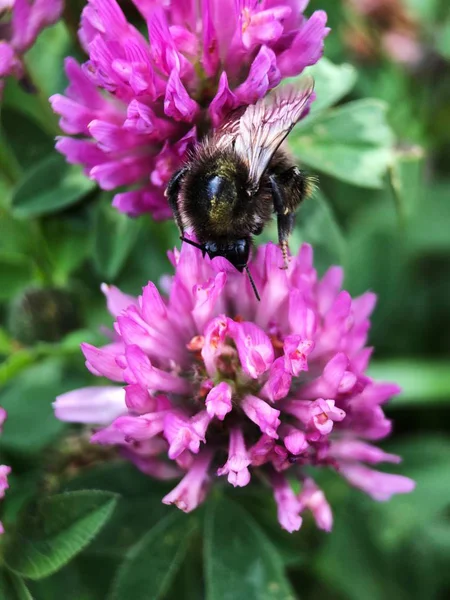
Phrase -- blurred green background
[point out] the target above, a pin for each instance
(379, 140)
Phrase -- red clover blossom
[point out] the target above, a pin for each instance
(138, 104)
(221, 385)
(21, 21)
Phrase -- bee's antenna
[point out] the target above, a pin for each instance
(192, 243)
(252, 283)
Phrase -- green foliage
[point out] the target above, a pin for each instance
(377, 140)
(240, 561)
(428, 232)
(27, 140)
(152, 563)
(15, 273)
(331, 83)
(56, 530)
(319, 227)
(31, 424)
(138, 510)
(12, 587)
(352, 143)
(114, 237)
(51, 185)
(405, 175)
(423, 383)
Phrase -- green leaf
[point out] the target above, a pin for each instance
(438, 535)
(27, 140)
(153, 562)
(50, 186)
(67, 246)
(426, 11)
(317, 225)
(154, 239)
(349, 561)
(425, 460)
(241, 563)
(23, 488)
(424, 383)
(428, 229)
(31, 105)
(293, 549)
(120, 478)
(377, 261)
(14, 235)
(114, 237)
(31, 423)
(331, 83)
(45, 73)
(71, 342)
(12, 587)
(405, 176)
(16, 272)
(139, 509)
(352, 143)
(9, 169)
(15, 363)
(86, 577)
(68, 255)
(46, 57)
(59, 529)
(419, 573)
(6, 342)
(443, 40)
(188, 583)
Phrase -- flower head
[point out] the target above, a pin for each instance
(4, 470)
(383, 27)
(219, 384)
(21, 21)
(141, 101)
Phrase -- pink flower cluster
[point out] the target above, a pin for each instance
(21, 21)
(219, 384)
(4, 470)
(137, 105)
(384, 27)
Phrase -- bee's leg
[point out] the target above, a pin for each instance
(172, 195)
(285, 216)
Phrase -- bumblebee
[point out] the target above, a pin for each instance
(237, 178)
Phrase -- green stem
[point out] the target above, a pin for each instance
(395, 184)
(42, 255)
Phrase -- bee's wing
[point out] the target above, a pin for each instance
(226, 135)
(264, 126)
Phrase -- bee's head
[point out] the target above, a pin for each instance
(237, 252)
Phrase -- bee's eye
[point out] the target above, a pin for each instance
(211, 248)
